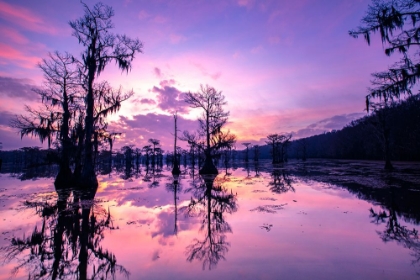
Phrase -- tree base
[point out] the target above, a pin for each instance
(64, 179)
(388, 166)
(208, 168)
(88, 180)
(176, 170)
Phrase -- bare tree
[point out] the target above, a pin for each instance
(213, 118)
(63, 91)
(60, 95)
(101, 47)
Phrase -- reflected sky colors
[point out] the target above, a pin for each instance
(284, 66)
(256, 223)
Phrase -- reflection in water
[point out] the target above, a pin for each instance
(68, 242)
(281, 181)
(257, 169)
(210, 201)
(175, 187)
(153, 176)
(394, 231)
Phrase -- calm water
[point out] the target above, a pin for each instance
(318, 220)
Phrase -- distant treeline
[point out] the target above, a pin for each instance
(365, 138)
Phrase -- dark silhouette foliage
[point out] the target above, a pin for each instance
(397, 22)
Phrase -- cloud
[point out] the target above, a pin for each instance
(257, 49)
(5, 117)
(175, 38)
(204, 71)
(17, 88)
(165, 224)
(170, 99)
(25, 18)
(15, 56)
(326, 125)
(237, 54)
(143, 15)
(157, 72)
(160, 19)
(147, 101)
(274, 40)
(138, 129)
(155, 256)
(13, 35)
(246, 3)
(10, 137)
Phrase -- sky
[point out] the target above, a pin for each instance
(283, 66)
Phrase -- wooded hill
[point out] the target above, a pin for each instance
(365, 138)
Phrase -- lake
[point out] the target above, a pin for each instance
(318, 219)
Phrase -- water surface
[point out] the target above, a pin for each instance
(313, 220)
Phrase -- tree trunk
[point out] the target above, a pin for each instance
(88, 178)
(388, 164)
(64, 176)
(175, 168)
(208, 166)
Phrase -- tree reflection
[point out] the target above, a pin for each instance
(394, 231)
(257, 169)
(68, 242)
(175, 187)
(210, 201)
(281, 181)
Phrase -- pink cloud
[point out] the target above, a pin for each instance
(160, 19)
(13, 35)
(12, 55)
(257, 49)
(175, 38)
(254, 125)
(246, 3)
(237, 55)
(157, 72)
(143, 15)
(274, 40)
(169, 82)
(205, 72)
(25, 18)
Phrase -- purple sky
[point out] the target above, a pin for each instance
(283, 66)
